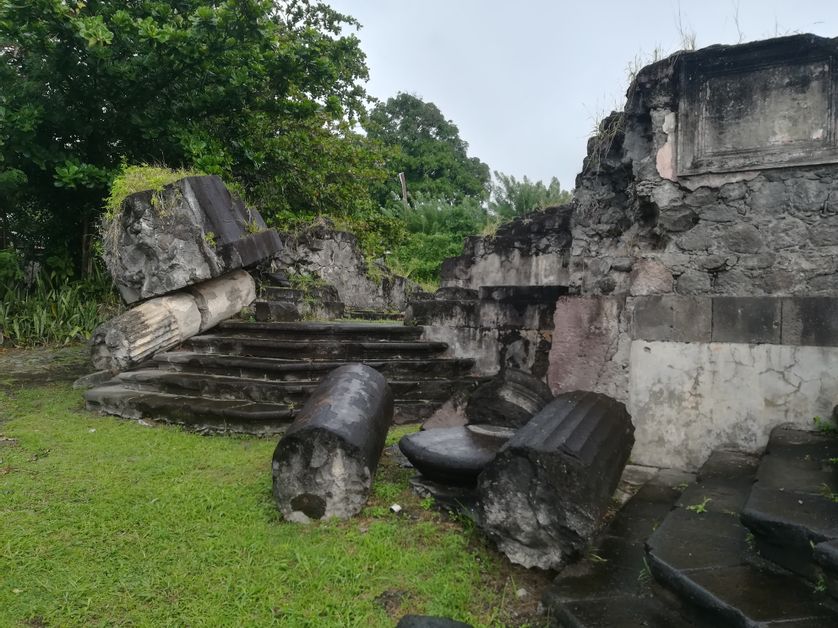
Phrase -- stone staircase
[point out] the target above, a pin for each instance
(751, 543)
(252, 377)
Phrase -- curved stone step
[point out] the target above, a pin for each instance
(349, 350)
(201, 414)
(700, 553)
(794, 504)
(270, 368)
(276, 391)
(369, 332)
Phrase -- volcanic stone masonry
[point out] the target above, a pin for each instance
(696, 270)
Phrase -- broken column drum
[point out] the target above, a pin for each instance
(161, 323)
(542, 498)
(324, 465)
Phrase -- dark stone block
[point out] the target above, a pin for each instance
(810, 321)
(323, 466)
(672, 318)
(716, 539)
(454, 293)
(511, 399)
(746, 319)
(250, 249)
(453, 455)
(523, 295)
(190, 231)
(787, 524)
(616, 610)
(543, 496)
(745, 596)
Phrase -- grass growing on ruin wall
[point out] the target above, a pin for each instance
(108, 522)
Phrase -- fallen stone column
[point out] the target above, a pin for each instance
(324, 464)
(510, 399)
(542, 498)
(162, 323)
(219, 299)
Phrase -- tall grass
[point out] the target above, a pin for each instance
(54, 310)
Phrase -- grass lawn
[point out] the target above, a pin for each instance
(107, 522)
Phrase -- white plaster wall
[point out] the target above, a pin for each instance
(688, 398)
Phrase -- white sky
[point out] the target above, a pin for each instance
(524, 81)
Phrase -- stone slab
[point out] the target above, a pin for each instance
(671, 318)
(453, 455)
(586, 332)
(810, 321)
(746, 320)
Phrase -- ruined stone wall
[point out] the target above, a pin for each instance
(648, 221)
(532, 250)
(705, 250)
(335, 257)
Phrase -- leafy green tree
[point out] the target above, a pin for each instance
(260, 91)
(435, 231)
(428, 149)
(511, 198)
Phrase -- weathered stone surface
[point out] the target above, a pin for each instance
(746, 319)
(543, 496)
(164, 322)
(649, 276)
(219, 299)
(790, 509)
(699, 553)
(810, 321)
(336, 258)
(510, 399)
(453, 455)
(142, 331)
(499, 326)
(586, 333)
(191, 231)
(670, 317)
(603, 590)
(324, 465)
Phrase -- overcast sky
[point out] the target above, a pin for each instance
(525, 81)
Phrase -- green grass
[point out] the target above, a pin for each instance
(135, 179)
(107, 522)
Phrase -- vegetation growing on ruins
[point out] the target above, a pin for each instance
(106, 520)
(267, 94)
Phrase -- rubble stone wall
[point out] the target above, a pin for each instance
(705, 250)
(335, 257)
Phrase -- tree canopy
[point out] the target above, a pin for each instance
(260, 91)
(429, 151)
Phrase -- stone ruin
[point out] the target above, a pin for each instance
(681, 310)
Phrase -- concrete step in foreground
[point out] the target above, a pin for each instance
(702, 553)
(200, 414)
(792, 508)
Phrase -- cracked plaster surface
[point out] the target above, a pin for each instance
(687, 399)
